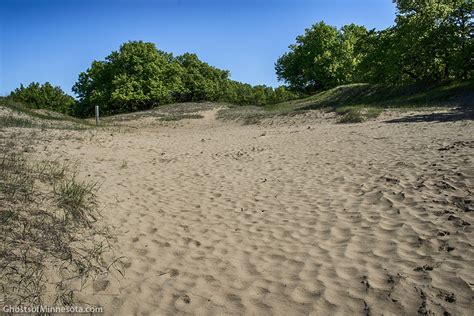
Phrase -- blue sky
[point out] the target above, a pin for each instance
(51, 40)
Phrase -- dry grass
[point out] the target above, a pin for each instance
(12, 121)
(168, 112)
(51, 242)
(178, 117)
(357, 103)
(248, 115)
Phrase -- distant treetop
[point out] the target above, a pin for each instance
(431, 42)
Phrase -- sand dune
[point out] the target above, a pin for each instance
(314, 218)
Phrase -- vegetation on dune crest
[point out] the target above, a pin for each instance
(20, 115)
(322, 58)
(385, 96)
(43, 96)
(12, 121)
(139, 76)
(50, 238)
(430, 42)
(359, 102)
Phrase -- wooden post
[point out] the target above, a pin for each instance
(97, 115)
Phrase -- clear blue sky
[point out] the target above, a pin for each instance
(51, 40)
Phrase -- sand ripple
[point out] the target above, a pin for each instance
(368, 218)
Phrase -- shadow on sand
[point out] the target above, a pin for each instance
(458, 114)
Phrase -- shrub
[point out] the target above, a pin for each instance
(44, 96)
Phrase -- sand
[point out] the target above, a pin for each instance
(289, 218)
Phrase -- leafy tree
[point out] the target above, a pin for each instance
(380, 62)
(322, 58)
(432, 39)
(43, 96)
(282, 94)
(136, 77)
(261, 94)
(239, 93)
(352, 52)
(200, 80)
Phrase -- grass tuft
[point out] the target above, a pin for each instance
(357, 114)
(12, 121)
(351, 116)
(77, 199)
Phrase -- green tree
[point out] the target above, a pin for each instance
(261, 94)
(380, 58)
(282, 94)
(200, 80)
(43, 96)
(243, 93)
(322, 58)
(433, 39)
(352, 52)
(430, 42)
(136, 77)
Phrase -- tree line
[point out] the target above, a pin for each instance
(139, 76)
(431, 41)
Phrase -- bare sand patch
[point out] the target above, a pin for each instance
(300, 218)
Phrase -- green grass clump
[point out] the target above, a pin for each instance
(353, 116)
(357, 114)
(372, 113)
(77, 198)
(12, 121)
(186, 108)
(20, 122)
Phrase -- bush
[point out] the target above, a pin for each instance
(46, 96)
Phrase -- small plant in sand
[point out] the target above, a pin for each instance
(356, 114)
(351, 116)
(124, 164)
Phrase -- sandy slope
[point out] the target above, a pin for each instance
(285, 219)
